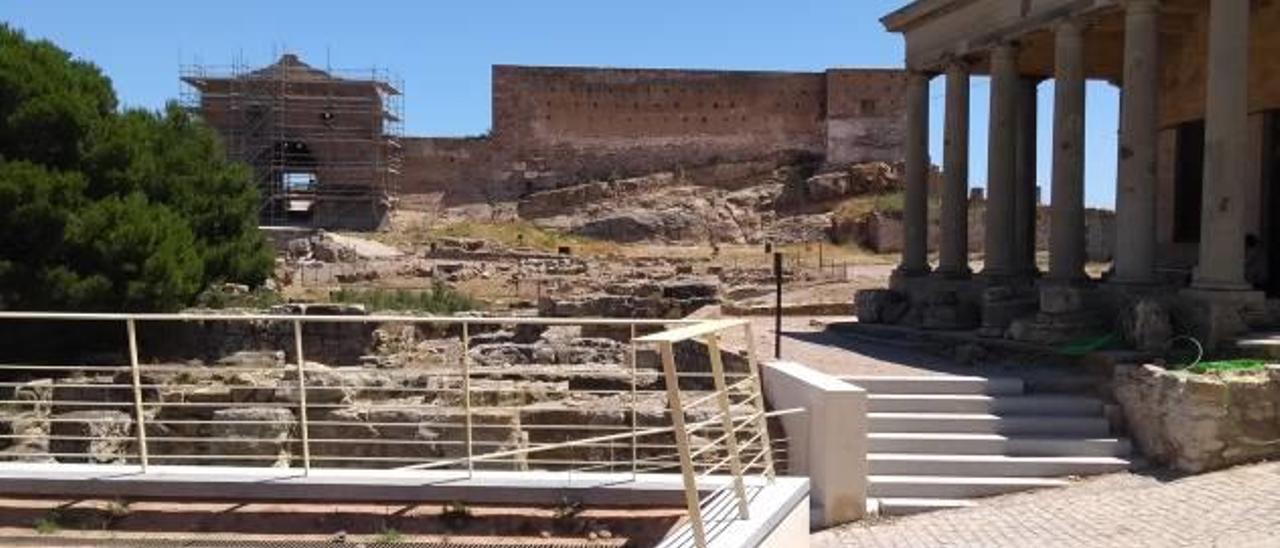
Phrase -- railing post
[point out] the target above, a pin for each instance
(139, 415)
(466, 395)
(731, 437)
(753, 368)
(302, 398)
(681, 434)
(635, 453)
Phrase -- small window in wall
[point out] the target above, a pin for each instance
(298, 181)
(868, 107)
(1188, 182)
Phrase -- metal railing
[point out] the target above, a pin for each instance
(629, 396)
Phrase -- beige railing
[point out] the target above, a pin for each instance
(663, 397)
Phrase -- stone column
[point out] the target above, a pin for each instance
(953, 241)
(1136, 192)
(1226, 149)
(915, 210)
(1067, 230)
(1002, 162)
(1024, 192)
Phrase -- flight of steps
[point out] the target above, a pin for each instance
(940, 442)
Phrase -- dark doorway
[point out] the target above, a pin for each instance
(1271, 200)
(1188, 182)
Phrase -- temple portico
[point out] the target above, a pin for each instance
(1198, 167)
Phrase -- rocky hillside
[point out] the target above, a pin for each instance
(787, 204)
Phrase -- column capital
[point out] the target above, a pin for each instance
(955, 61)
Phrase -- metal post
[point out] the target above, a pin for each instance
(681, 434)
(302, 398)
(731, 437)
(777, 307)
(139, 416)
(466, 395)
(753, 367)
(635, 453)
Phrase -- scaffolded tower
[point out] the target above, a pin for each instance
(324, 144)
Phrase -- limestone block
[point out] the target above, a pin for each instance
(100, 437)
(253, 432)
(1147, 325)
(870, 304)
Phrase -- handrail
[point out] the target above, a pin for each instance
(458, 406)
(332, 318)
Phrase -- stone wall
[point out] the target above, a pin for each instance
(1196, 423)
(556, 125)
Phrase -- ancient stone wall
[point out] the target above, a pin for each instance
(865, 115)
(462, 170)
(556, 125)
(1196, 423)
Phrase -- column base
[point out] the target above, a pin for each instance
(1234, 295)
(953, 273)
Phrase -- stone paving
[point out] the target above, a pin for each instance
(1238, 508)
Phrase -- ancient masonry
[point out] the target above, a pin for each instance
(556, 125)
(327, 151)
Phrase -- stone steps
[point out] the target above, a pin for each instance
(990, 465)
(982, 423)
(953, 487)
(995, 444)
(938, 442)
(937, 384)
(982, 403)
(905, 506)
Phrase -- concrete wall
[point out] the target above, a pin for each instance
(827, 443)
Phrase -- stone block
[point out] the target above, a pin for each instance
(98, 437)
(249, 432)
(870, 304)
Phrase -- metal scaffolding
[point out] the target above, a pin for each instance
(324, 145)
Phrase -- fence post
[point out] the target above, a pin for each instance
(730, 433)
(634, 438)
(139, 416)
(681, 434)
(466, 395)
(302, 398)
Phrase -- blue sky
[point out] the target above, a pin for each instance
(443, 49)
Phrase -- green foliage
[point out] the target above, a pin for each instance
(258, 298)
(1228, 366)
(47, 525)
(108, 210)
(440, 299)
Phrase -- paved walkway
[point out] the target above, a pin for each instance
(1237, 508)
(806, 340)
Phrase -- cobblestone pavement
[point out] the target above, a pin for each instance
(1236, 508)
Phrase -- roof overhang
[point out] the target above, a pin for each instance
(907, 16)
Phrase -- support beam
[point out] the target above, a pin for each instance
(1002, 163)
(953, 240)
(1222, 251)
(1026, 196)
(1067, 226)
(1135, 258)
(915, 214)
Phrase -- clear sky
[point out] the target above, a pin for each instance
(443, 49)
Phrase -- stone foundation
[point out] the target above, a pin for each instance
(1197, 423)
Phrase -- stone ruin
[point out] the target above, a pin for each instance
(402, 404)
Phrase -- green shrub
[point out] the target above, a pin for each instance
(440, 299)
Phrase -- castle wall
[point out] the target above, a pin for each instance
(554, 126)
